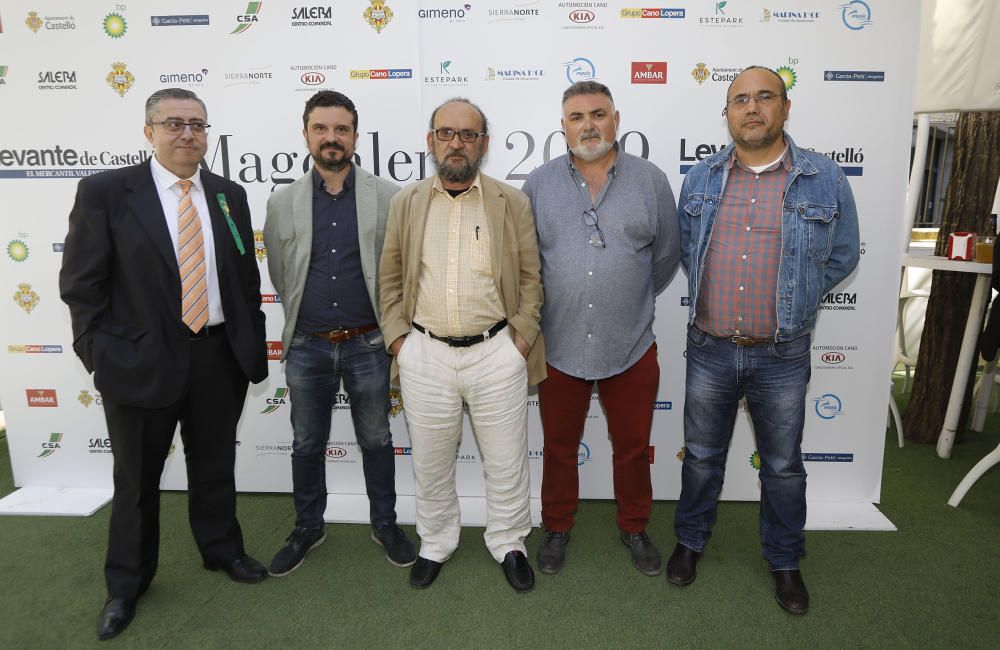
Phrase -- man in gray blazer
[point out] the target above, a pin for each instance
(324, 236)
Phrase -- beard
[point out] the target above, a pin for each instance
(762, 138)
(462, 172)
(591, 152)
(332, 164)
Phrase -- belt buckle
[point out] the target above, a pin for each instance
(742, 341)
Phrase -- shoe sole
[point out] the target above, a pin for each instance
(680, 583)
(308, 551)
(551, 571)
(791, 610)
(636, 564)
(393, 562)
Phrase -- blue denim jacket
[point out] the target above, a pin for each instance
(820, 244)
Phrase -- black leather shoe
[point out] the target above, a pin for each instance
(398, 549)
(552, 553)
(790, 591)
(681, 565)
(645, 555)
(424, 572)
(242, 569)
(115, 617)
(517, 571)
(297, 545)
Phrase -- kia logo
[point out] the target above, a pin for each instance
(833, 357)
(581, 16)
(335, 452)
(313, 78)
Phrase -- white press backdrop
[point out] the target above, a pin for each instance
(74, 76)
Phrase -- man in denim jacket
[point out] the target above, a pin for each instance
(767, 229)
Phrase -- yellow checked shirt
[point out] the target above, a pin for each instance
(456, 290)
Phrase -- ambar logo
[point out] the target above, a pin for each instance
(45, 397)
(649, 72)
(274, 350)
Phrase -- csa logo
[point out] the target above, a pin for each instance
(114, 25)
(755, 460)
(120, 79)
(582, 454)
(276, 402)
(17, 250)
(378, 15)
(25, 298)
(787, 75)
(42, 397)
(828, 406)
(33, 21)
(50, 447)
(247, 20)
(259, 249)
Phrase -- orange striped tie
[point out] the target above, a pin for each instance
(191, 258)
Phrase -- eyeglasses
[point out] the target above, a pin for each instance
(177, 126)
(596, 236)
(764, 97)
(465, 135)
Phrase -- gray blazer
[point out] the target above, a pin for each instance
(288, 238)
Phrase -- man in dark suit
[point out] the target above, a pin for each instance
(164, 295)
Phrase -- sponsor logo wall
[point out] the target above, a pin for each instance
(74, 76)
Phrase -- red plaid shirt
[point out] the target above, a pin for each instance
(739, 287)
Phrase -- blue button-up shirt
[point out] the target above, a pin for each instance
(335, 295)
(598, 313)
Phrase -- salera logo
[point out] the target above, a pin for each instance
(45, 397)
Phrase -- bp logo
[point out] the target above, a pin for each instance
(25, 298)
(17, 250)
(582, 454)
(119, 78)
(828, 406)
(50, 447)
(114, 25)
(276, 402)
(787, 75)
(700, 73)
(755, 460)
(681, 454)
(377, 15)
(259, 249)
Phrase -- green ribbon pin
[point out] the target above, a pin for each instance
(221, 198)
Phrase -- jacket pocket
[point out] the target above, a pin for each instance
(817, 229)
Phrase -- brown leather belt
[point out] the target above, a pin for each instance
(341, 335)
(749, 341)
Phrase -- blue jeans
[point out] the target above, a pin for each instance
(314, 369)
(773, 378)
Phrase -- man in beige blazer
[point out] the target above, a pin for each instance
(461, 296)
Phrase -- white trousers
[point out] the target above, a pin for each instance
(491, 378)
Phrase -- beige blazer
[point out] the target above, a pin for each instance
(514, 255)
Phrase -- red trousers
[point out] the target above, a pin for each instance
(627, 398)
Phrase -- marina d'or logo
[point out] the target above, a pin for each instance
(17, 250)
(828, 406)
(378, 15)
(114, 25)
(248, 19)
(787, 75)
(119, 78)
(53, 444)
(26, 298)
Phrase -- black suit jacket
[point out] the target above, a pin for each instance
(120, 279)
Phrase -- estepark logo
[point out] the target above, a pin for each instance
(312, 16)
(52, 446)
(34, 348)
(447, 76)
(637, 12)
(274, 350)
(725, 15)
(248, 19)
(276, 402)
(42, 397)
(381, 73)
(828, 406)
(649, 72)
(57, 80)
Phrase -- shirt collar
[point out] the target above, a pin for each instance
(164, 179)
(319, 185)
(786, 162)
(440, 188)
